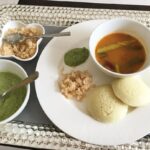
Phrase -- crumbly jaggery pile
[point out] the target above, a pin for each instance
(75, 84)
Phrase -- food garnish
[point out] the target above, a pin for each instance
(117, 68)
(75, 84)
(76, 56)
(115, 46)
(109, 65)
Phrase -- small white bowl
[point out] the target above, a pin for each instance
(121, 25)
(12, 67)
(19, 24)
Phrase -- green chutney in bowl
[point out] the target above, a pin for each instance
(11, 102)
(15, 101)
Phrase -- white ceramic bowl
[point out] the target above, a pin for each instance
(19, 24)
(12, 67)
(121, 25)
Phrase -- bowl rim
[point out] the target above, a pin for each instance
(26, 99)
(105, 70)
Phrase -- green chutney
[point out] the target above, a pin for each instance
(76, 56)
(13, 100)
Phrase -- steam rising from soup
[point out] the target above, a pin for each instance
(120, 53)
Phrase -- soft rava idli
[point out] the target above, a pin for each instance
(103, 105)
(132, 91)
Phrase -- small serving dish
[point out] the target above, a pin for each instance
(13, 73)
(25, 51)
(135, 31)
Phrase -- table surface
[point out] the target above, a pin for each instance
(26, 112)
(131, 2)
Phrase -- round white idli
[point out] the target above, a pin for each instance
(132, 91)
(104, 106)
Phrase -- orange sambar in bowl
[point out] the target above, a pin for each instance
(121, 53)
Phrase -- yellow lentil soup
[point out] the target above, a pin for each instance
(120, 53)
